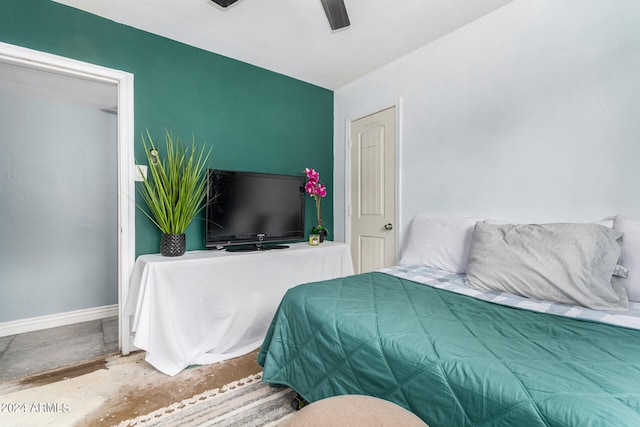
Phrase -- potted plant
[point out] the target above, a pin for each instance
(317, 190)
(174, 189)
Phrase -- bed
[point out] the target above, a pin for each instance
(430, 340)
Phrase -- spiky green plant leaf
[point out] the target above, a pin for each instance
(175, 187)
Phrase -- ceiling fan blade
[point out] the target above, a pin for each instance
(224, 3)
(336, 13)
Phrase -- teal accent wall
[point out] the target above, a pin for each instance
(255, 119)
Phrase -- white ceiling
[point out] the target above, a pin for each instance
(293, 37)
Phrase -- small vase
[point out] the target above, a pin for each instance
(173, 244)
(320, 231)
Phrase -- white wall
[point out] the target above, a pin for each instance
(529, 114)
(58, 207)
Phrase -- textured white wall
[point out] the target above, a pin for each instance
(529, 114)
(58, 207)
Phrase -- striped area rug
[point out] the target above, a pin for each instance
(244, 403)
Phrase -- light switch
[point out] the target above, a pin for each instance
(141, 171)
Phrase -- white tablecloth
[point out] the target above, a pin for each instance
(208, 306)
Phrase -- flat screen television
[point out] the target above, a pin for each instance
(253, 211)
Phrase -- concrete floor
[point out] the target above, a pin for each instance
(112, 389)
(39, 351)
(78, 366)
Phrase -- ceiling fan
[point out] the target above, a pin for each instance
(335, 10)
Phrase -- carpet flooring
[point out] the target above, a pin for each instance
(108, 391)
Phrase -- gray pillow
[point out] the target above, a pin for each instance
(567, 263)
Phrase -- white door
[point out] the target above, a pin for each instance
(372, 206)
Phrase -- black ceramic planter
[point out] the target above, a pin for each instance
(173, 244)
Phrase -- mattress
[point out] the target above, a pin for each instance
(452, 359)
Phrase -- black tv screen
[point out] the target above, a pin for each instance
(251, 208)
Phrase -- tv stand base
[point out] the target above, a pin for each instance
(254, 248)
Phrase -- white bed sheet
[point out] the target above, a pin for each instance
(455, 282)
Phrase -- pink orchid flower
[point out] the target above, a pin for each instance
(321, 190)
(312, 174)
(310, 187)
(317, 190)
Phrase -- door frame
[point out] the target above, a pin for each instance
(397, 103)
(125, 130)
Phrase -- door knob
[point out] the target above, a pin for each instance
(388, 226)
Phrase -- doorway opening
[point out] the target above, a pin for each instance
(69, 191)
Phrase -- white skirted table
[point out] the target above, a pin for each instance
(209, 306)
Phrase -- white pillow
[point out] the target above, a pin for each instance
(630, 258)
(607, 222)
(442, 243)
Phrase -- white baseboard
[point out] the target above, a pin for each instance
(59, 319)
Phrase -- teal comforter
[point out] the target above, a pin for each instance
(451, 359)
